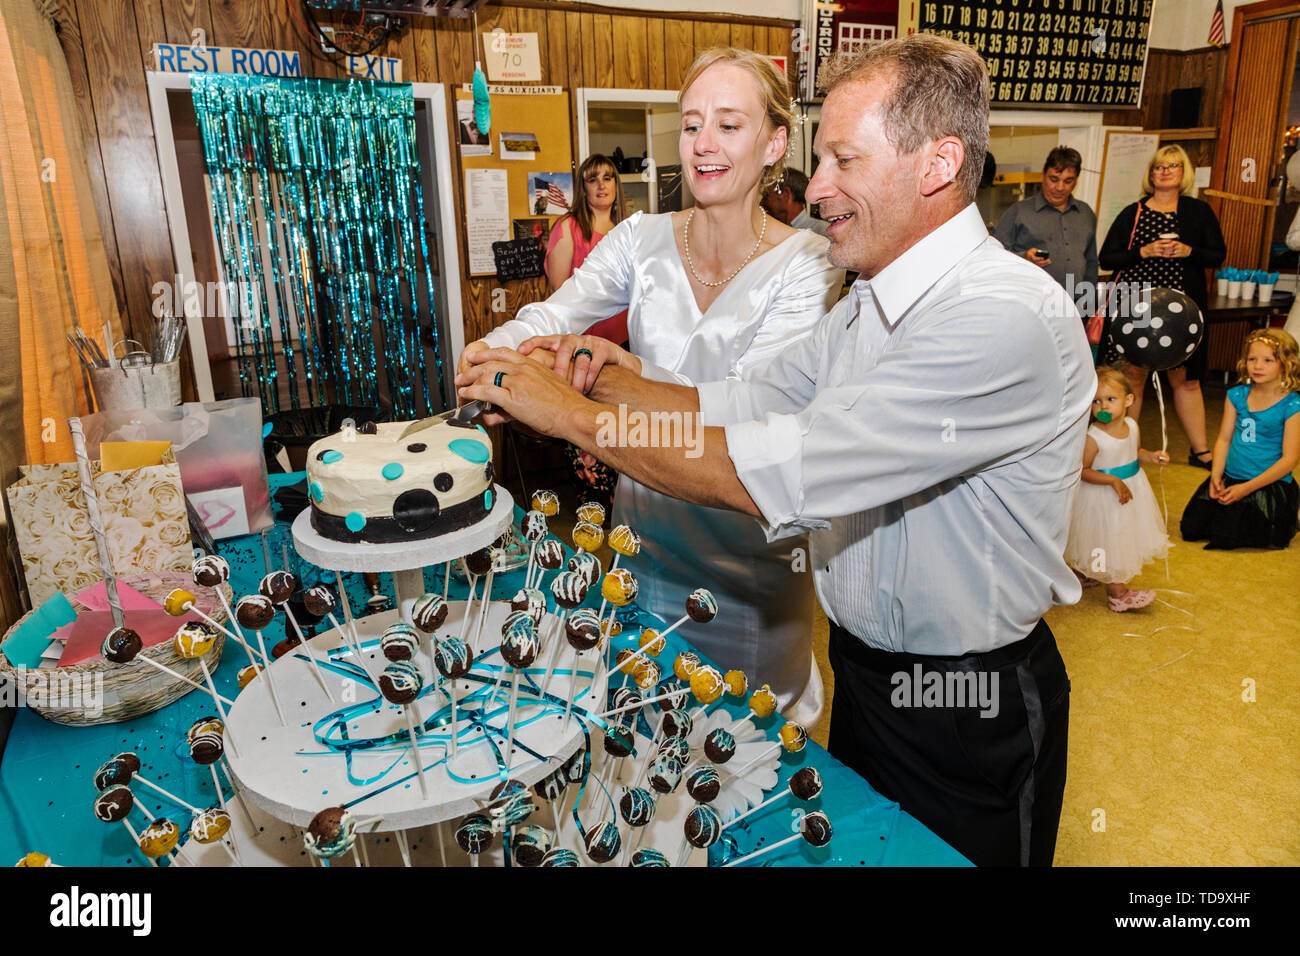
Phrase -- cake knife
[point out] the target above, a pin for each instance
(464, 413)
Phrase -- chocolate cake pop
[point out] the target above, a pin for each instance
(621, 698)
(320, 600)
(111, 773)
(207, 746)
(587, 536)
(560, 857)
(210, 825)
(672, 696)
(569, 589)
(534, 526)
(720, 745)
(176, 600)
(255, 612)
(616, 745)
(603, 842)
(452, 658)
(210, 571)
(676, 723)
(519, 645)
(399, 642)
(121, 645)
(331, 833)
(474, 833)
(702, 606)
(586, 565)
(530, 844)
(114, 804)
(665, 773)
(703, 784)
(546, 501)
(582, 629)
(511, 804)
(578, 766)
(676, 746)
(478, 562)
(806, 784)
(637, 807)
(703, 826)
(159, 838)
(194, 638)
(625, 541)
(279, 586)
(130, 760)
(531, 601)
(429, 612)
(592, 512)
(648, 856)
(400, 682)
(816, 828)
(552, 785)
(550, 554)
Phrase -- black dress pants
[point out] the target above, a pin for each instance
(913, 726)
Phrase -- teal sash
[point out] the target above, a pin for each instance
(1121, 471)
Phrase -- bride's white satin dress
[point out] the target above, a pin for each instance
(764, 622)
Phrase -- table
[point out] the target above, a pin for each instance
(45, 773)
(1220, 308)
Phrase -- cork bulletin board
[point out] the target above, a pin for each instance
(534, 120)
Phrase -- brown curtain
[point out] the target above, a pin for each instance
(53, 272)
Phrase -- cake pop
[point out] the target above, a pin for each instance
(547, 502)
(619, 587)
(616, 745)
(206, 744)
(587, 536)
(736, 683)
(651, 643)
(112, 773)
(671, 696)
(255, 612)
(278, 586)
(210, 825)
(193, 639)
(530, 844)
(246, 675)
(719, 745)
(676, 724)
(806, 784)
(637, 807)
(793, 737)
(121, 645)
(479, 562)
(159, 838)
(531, 601)
(569, 589)
(511, 804)
(685, 665)
(533, 526)
(114, 804)
(762, 702)
(550, 555)
(474, 834)
(560, 857)
(665, 773)
(331, 833)
(623, 540)
(582, 629)
(401, 682)
(175, 602)
(34, 860)
(319, 600)
(678, 747)
(453, 660)
(586, 565)
(703, 826)
(399, 642)
(210, 571)
(603, 842)
(592, 512)
(429, 612)
(706, 684)
(702, 606)
(703, 784)
(552, 785)
(648, 856)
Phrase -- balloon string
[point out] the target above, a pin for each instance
(1164, 448)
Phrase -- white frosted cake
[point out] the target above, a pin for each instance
(380, 484)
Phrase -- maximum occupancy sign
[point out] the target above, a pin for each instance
(1063, 52)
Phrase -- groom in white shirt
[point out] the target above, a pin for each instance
(928, 433)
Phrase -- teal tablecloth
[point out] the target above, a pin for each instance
(46, 790)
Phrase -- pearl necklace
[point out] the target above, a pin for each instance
(686, 243)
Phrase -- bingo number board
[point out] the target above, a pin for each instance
(1061, 52)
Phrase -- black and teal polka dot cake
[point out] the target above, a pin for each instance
(381, 484)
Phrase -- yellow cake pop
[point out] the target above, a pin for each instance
(159, 838)
(210, 825)
(625, 541)
(174, 603)
(619, 587)
(793, 737)
(621, 662)
(34, 860)
(546, 502)
(645, 674)
(737, 683)
(592, 511)
(706, 684)
(194, 639)
(246, 675)
(587, 536)
(685, 665)
(651, 642)
(763, 702)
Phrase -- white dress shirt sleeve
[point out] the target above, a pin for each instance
(601, 287)
(964, 394)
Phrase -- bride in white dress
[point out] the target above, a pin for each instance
(710, 292)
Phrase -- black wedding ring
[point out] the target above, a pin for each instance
(497, 381)
(586, 352)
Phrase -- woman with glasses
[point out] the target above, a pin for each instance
(1168, 239)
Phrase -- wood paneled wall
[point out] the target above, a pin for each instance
(107, 43)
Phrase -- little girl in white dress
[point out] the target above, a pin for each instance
(1116, 526)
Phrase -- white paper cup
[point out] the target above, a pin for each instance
(1223, 287)
(1247, 291)
(1234, 288)
(1265, 294)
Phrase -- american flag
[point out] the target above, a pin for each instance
(555, 195)
(1216, 25)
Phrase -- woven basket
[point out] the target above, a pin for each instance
(129, 690)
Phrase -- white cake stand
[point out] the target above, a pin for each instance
(407, 558)
(289, 774)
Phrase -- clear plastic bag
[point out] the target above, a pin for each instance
(218, 447)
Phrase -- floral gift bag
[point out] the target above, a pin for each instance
(144, 515)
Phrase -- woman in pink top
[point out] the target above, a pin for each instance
(598, 210)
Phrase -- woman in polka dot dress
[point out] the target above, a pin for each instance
(1168, 239)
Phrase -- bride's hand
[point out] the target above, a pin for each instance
(579, 358)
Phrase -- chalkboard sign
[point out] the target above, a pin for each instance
(518, 259)
(1089, 53)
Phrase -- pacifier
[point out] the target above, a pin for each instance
(1104, 416)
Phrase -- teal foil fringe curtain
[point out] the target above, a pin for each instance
(320, 225)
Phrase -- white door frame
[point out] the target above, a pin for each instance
(447, 294)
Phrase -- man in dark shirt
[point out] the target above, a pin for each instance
(1054, 230)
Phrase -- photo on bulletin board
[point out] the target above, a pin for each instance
(550, 194)
(538, 229)
(519, 146)
(472, 142)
